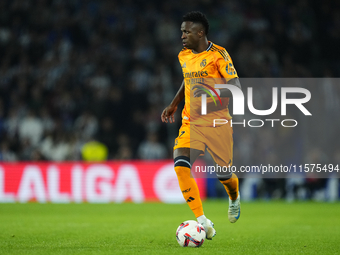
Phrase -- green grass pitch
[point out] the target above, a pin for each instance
(263, 228)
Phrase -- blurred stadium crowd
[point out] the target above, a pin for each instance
(100, 72)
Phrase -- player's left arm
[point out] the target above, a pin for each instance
(227, 70)
(226, 92)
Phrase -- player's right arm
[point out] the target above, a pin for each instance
(169, 112)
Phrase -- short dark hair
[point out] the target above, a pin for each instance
(197, 17)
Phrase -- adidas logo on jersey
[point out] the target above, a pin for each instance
(184, 65)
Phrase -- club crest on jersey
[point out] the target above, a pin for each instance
(184, 65)
(203, 63)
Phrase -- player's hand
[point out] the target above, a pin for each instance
(168, 114)
(198, 91)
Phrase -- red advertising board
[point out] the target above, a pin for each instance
(66, 182)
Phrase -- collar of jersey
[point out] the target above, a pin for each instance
(209, 47)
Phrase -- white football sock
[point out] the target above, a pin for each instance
(201, 219)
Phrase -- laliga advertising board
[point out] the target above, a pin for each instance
(78, 182)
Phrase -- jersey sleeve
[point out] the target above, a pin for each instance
(181, 55)
(225, 65)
